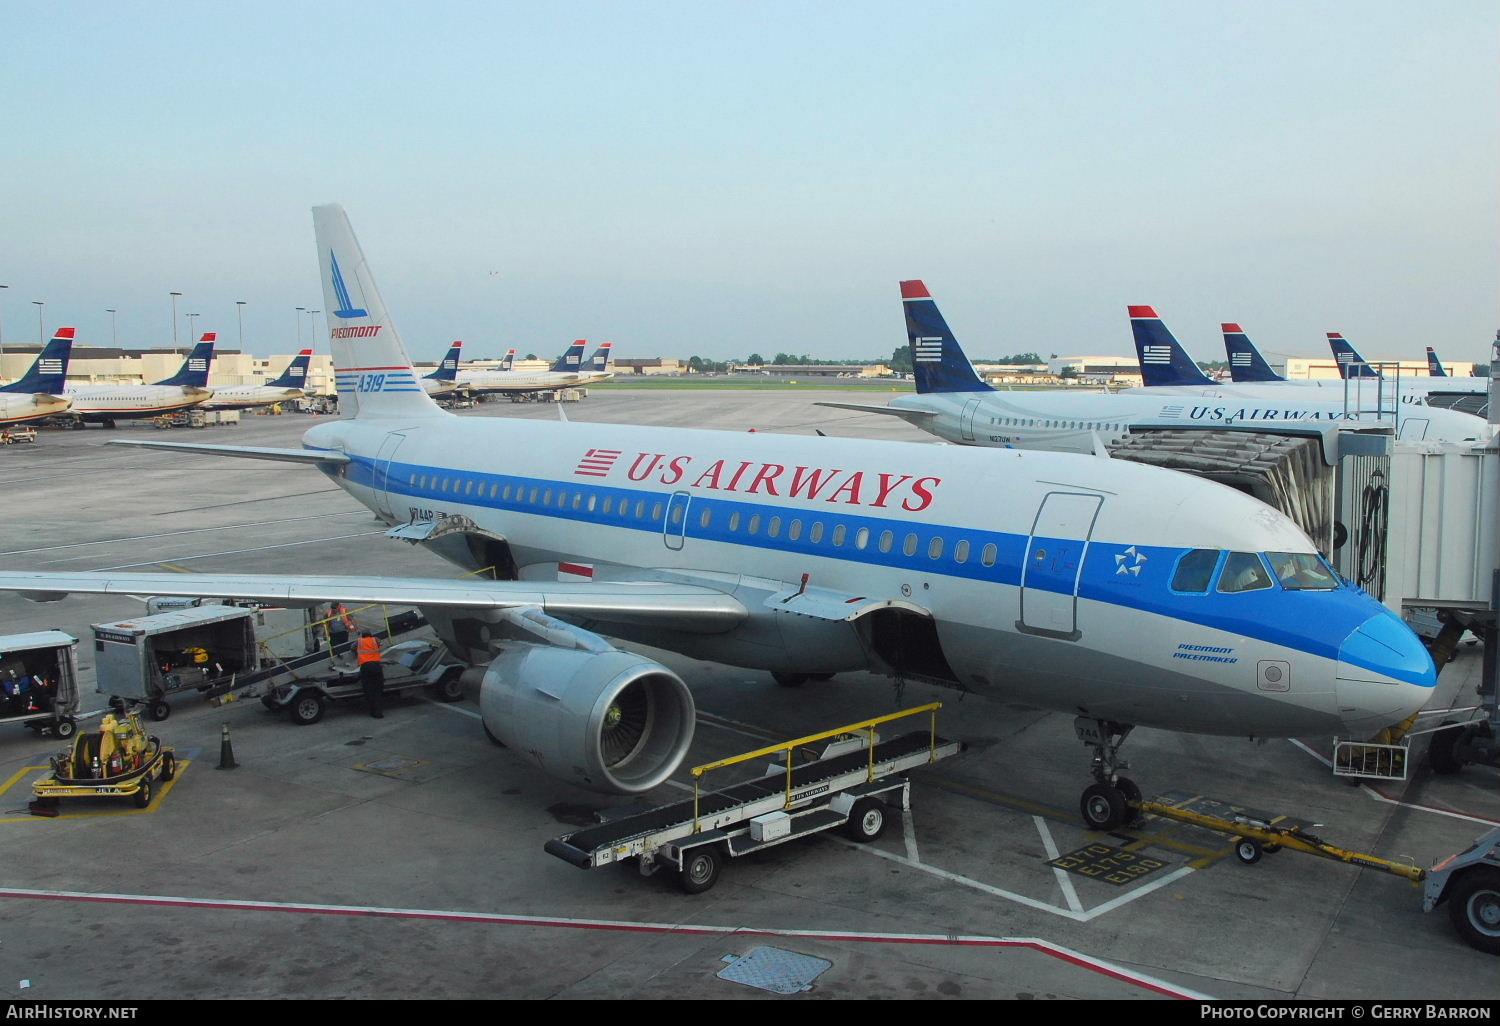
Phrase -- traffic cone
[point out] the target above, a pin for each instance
(226, 751)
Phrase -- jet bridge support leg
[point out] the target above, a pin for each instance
(1107, 803)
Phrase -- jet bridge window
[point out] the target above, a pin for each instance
(1302, 571)
(1243, 571)
(1195, 571)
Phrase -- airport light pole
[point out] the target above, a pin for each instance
(175, 296)
(300, 311)
(240, 309)
(312, 327)
(40, 309)
(114, 327)
(192, 330)
(2, 328)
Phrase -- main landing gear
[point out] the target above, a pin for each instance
(1105, 804)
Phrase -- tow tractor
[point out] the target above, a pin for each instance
(1469, 882)
(855, 783)
(118, 760)
(408, 665)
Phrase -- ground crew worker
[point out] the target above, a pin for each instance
(371, 673)
(339, 625)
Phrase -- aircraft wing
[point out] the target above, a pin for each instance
(687, 606)
(918, 417)
(248, 452)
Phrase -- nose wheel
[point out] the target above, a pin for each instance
(1106, 803)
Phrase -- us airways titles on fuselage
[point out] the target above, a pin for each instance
(852, 487)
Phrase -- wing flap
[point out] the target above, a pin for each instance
(248, 452)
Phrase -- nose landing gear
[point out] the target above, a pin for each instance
(1105, 804)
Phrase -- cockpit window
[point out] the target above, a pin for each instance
(1302, 571)
(1243, 571)
(1195, 570)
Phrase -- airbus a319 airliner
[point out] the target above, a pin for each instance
(1120, 593)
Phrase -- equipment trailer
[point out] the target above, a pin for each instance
(1469, 882)
(853, 784)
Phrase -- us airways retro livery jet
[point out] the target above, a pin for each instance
(953, 403)
(39, 392)
(1121, 593)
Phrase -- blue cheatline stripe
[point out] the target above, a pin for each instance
(1335, 613)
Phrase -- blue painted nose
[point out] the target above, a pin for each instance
(1385, 675)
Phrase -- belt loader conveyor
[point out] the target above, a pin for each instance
(852, 784)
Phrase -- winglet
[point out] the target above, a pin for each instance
(1162, 359)
(938, 364)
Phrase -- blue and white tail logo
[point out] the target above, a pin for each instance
(1163, 360)
(937, 362)
(346, 307)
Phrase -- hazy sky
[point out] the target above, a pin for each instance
(717, 178)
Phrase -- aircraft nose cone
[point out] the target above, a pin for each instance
(1385, 674)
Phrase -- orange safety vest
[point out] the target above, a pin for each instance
(368, 650)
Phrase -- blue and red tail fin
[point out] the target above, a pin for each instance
(1245, 362)
(571, 361)
(372, 370)
(194, 372)
(1350, 363)
(295, 375)
(1163, 360)
(508, 361)
(447, 370)
(599, 362)
(1434, 365)
(49, 372)
(938, 364)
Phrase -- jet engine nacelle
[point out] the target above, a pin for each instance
(610, 721)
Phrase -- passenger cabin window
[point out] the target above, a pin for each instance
(1195, 570)
(1243, 571)
(1302, 571)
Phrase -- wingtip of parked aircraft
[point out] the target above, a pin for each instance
(914, 290)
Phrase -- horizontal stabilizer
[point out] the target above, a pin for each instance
(247, 452)
(910, 416)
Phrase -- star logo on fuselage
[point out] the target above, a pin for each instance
(1129, 562)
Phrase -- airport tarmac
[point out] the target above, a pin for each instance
(403, 857)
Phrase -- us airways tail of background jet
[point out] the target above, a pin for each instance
(444, 380)
(1434, 365)
(1246, 365)
(283, 388)
(953, 403)
(1119, 593)
(39, 392)
(565, 373)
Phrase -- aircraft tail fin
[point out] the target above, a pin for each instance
(1163, 360)
(194, 372)
(571, 360)
(295, 375)
(1245, 362)
(1434, 365)
(447, 370)
(509, 360)
(50, 371)
(938, 364)
(1351, 364)
(372, 371)
(599, 362)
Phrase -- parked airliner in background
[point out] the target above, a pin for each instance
(1434, 365)
(1118, 593)
(105, 404)
(598, 365)
(286, 387)
(39, 392)
(567, 372)
(1414, 387)
(1167, 369)
(444, 380)
(952, 402)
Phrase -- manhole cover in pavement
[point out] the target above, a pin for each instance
(775, 969)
